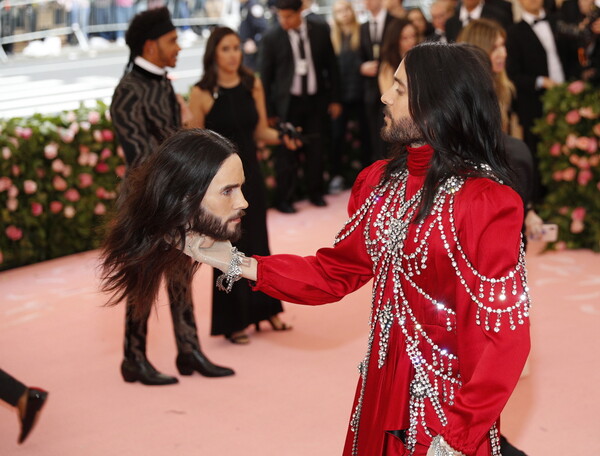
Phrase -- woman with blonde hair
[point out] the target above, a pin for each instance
(491, 37)
(345, 37)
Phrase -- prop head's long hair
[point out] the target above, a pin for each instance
(160, 199)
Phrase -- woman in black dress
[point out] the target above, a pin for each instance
(228, 99)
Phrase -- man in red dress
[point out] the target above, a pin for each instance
(438, 230)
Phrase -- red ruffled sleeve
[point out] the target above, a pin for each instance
(333, 272)
(488, 226)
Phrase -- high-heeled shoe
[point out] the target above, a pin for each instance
(36, 398)
(281, 327)
(238, 338)
(187, 363)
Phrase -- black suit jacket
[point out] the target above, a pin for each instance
(526, 60)
(489, 11)
(371, 87)
(277, 66)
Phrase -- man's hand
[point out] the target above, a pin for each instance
(335, 110)
(208, 251)
(369, 68)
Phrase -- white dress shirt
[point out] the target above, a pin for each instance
(544, 33)
(302, 67)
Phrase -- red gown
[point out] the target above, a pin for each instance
(449, 323)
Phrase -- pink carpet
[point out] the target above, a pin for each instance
(293, 391)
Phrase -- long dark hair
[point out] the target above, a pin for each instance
(209, 77)
(159, 200)
(453, 102)
(390, 49)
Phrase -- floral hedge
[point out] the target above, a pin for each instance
(58, 178)
(569, 164)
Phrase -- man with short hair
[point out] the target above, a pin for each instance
(478, 9)
(145, 112)
(437, 230)
(440, 13)
(301, 80)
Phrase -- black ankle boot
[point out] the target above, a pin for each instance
(187, 363)
(144, 372)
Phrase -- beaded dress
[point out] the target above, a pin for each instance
(449, 329)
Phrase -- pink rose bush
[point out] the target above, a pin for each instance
(569, 162)
(58, 179)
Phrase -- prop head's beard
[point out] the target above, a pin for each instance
(211, 226)
(403, 131)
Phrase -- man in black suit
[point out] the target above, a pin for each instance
(496, 10)
(535, 63)
(301, 79)
(371, 37)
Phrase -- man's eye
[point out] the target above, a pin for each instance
(227, 192)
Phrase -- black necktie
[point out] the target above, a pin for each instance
(374, 35)
(302, 54)
(541, 19)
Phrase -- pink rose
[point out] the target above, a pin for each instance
(58, 165)
(270, 182)
(69, 212)
(597, 129)
(70, 117)
(587, 113)
(101, 192)
(569, 174)
(6, 153)
(576, 87)
(550, 118)
(102, 168)
(85, 126)
(13, 233)
(5, 183)
(24, 132)
(36, 209)
(574, 159)
(563, 210)
(85, 180)
(578, 213)
(92, 159)
(555, 149)
(16, 170)
(13, 191)
(67, 171)
(572, 117)
(29, 186)
(577, 226)
(107, 115)
(108, 135)
(583, 163)
(97, 135)
(100, 209)
(592, 146)
(571, 141)
(93, 117)
(584, 177)
(582, 142)
(59, 183)
(72, 195)
(594, 160)
(84, 149)
(56, 207)
(51, 151)
(105, 153)
(66, 136)
(74, 128)
(82, 159)
(120, 170)
(111, 195)
(12, 204)
(121, 153)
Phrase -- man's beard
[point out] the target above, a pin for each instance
(403, 132)
(209, 225)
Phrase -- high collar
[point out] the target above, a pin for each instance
(419, 159)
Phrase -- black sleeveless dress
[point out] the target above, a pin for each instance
(234, 116)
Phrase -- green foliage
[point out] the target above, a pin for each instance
(570, 164)
(58, 178)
